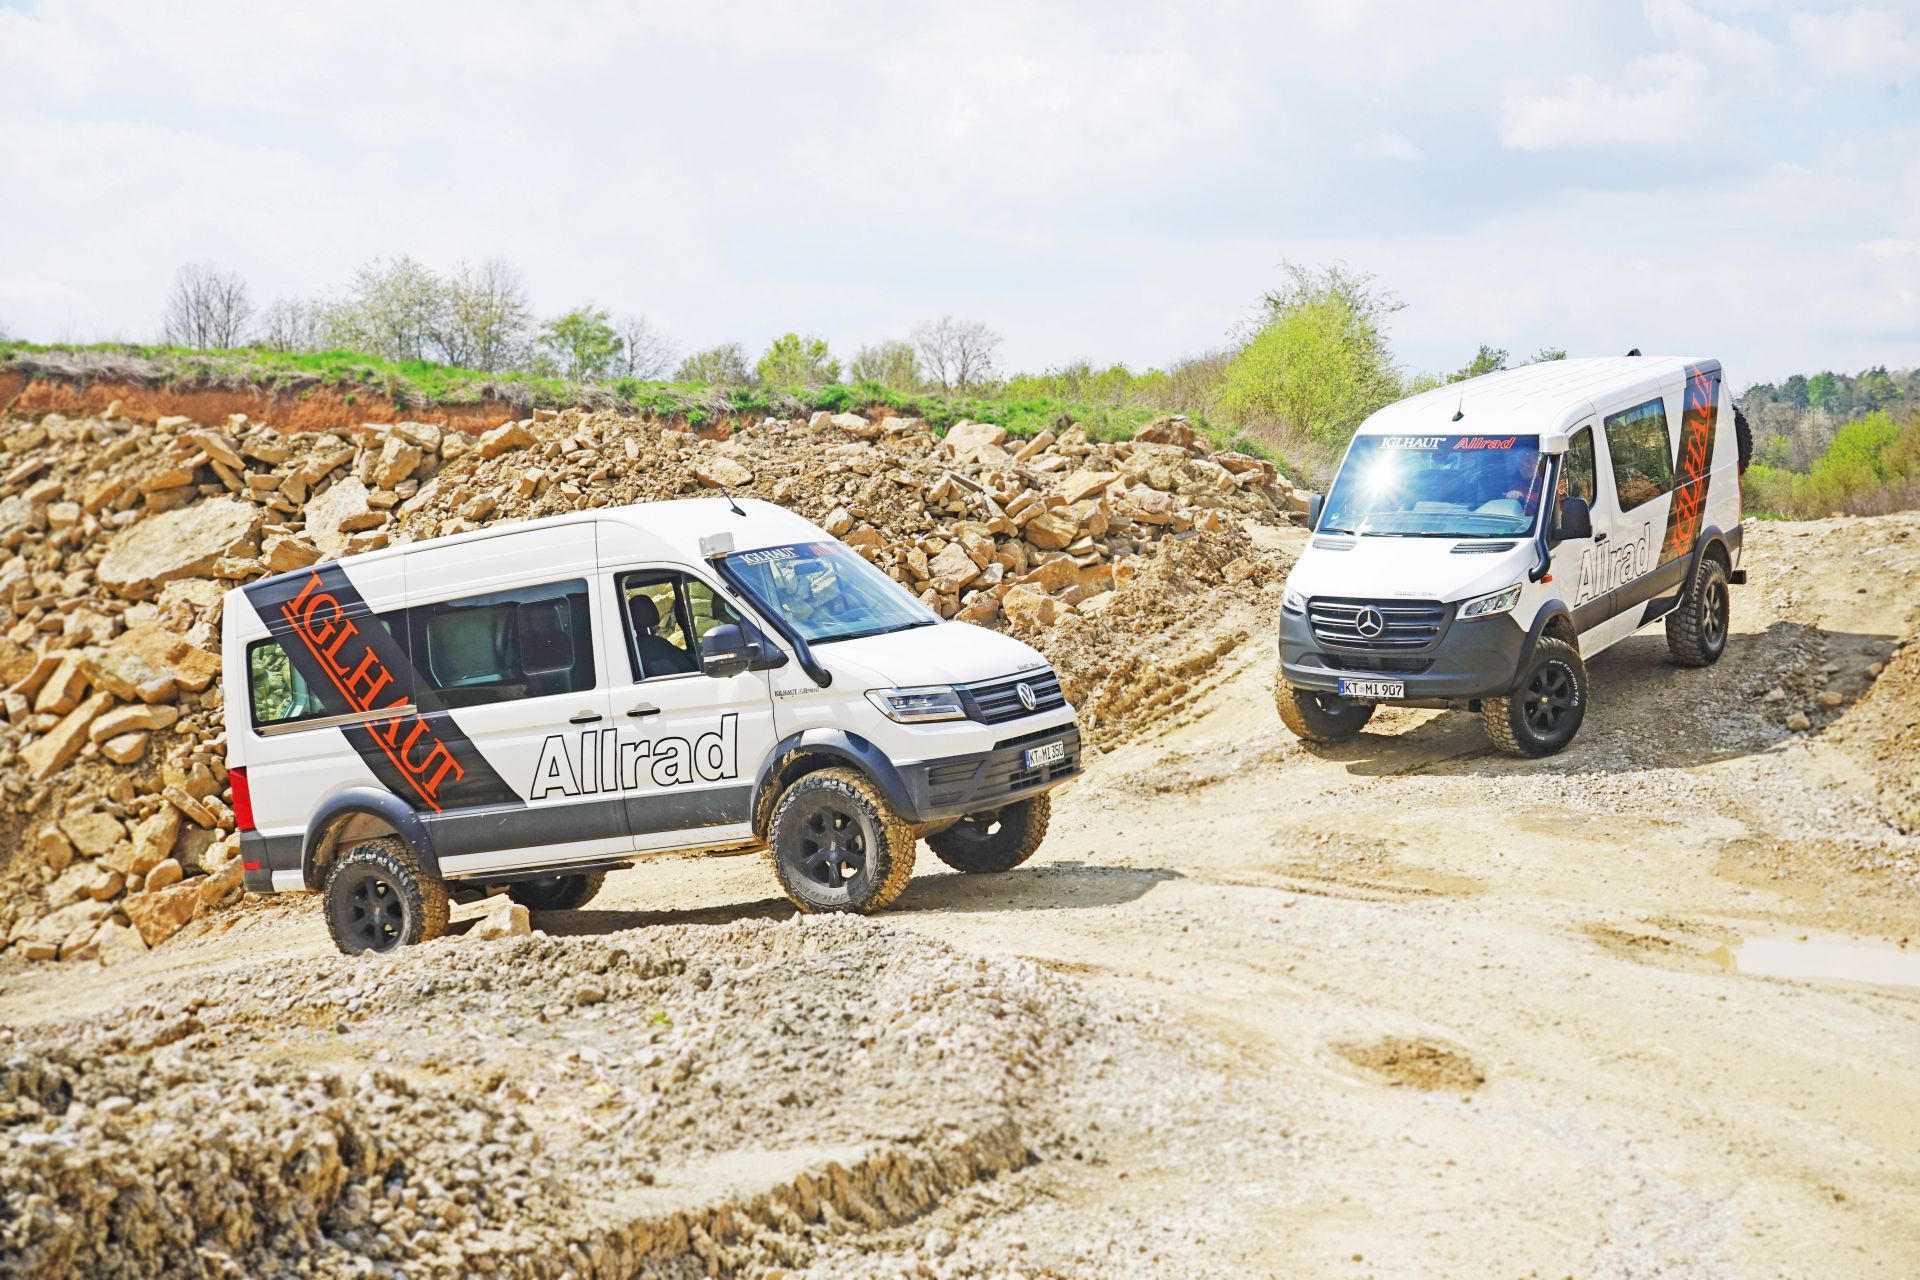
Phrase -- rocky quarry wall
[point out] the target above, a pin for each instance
(118, 539)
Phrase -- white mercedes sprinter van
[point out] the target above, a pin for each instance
(1482, 540)
(523, 708)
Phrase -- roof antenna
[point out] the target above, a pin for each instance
(736, 506)
(1460, 410)
(1634, 352)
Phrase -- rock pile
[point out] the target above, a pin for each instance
(118, 540)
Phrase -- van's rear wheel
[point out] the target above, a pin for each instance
(1319, 717)
(557, 893)
(837, 846)
(1544, 711)
(378, 898)
(998, 840)
(1697, 629)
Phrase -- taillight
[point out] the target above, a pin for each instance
(242, 798)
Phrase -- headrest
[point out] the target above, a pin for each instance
(644, 612)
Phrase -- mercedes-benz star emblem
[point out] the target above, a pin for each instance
(1369, 622)
(1025, 691)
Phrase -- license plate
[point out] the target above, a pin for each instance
(1373, 688)
(1046, 753)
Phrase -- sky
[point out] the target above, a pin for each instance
(1103, 181)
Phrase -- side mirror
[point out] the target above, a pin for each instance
(732, 648)
(1576, 521)
(1315, 502)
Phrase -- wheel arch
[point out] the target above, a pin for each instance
(812, 750)
(361, 813)
(1554, 619)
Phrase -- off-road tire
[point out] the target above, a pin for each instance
(1743, 440)
(378, 889)
(886, 843)
(1514, 721)
(557, 893)
(987, 843)
(1310, 718)
(1697, 628)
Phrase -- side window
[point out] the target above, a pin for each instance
(1577, 478)
(529, 642)
(666, 614)
(278, 694)
(1642, 456)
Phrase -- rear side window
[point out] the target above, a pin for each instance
(279, 695)
(1642, 456)
(530, 642)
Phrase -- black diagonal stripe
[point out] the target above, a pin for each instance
(353, 664)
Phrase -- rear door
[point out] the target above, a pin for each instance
(502, 632)
(687, 746)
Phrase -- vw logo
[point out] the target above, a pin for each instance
(1369, 622)
(1025, 691)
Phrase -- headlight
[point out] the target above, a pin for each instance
(1501, 601)
(1293, 601)
(912, 706)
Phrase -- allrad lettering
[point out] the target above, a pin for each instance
(320, 623)
(598, 761)
(1603, 568)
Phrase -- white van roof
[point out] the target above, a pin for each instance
(1534, 399)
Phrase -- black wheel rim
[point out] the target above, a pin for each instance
(1713, 619)
(831, 849)
(374, 917)
(1549, 698)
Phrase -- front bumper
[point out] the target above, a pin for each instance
(953, 786)
(1468, 659)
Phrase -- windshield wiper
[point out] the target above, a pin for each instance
(875, 631)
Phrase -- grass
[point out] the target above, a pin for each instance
(420, 385)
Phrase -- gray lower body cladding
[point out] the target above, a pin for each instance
(958, 785)
(1477, 658)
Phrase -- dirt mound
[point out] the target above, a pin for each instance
(1418, 1064)
(538, 1106)
(1882, 730)
(118, 539)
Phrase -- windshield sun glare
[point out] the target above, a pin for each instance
(1457, 486)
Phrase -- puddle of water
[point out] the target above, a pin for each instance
(1821, 960)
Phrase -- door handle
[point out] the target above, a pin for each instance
(1599, 538)
(643, 709)
(585, 717)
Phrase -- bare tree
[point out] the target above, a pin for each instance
(957, 355)
(207, 309)
(645, 352)
(392, 311)
(291, 324)
(482, 319)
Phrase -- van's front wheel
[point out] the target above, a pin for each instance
(378, 898)
(1319, 717)
(999, 840)
(838, 846)
(1543, 713)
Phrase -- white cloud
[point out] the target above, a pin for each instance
(1858, 43)
(1723, 45)
(1659, 100)
(1392, 146)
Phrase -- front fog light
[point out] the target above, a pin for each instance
(914, 706)
(1497, 602)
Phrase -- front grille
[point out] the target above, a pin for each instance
(1402, 624)
(997, 701)
(1376, 662)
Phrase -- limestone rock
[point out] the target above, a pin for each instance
(287, 553)
(337, 514)
(717, 471)
(158, 914)
(130, 719)
(186, 543)
(509, 435)
(125, 748)
(47, 754)
(507, 919)
(93, 833)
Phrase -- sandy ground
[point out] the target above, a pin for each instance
(1469, 1016)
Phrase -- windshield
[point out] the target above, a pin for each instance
(826, 592)
(1436, 487)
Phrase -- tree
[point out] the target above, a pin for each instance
(890, 363)
(956, 354)
(291, 324)
(581, 342)
(1318, 363)
(1545, 354)
(1486, 360)
(794, 361)
(482, 317)
(1820, 389)
(645, 352)
(722, 366)
(208, 308)
(392, 310)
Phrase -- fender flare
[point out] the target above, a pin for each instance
(376, 803)
(1712, 536)
(1548, 612)
(840, 745)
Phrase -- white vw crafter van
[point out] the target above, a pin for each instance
(1482, 540)
(525, 707)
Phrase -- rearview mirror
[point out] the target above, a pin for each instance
(1576, 521)
(1315, 501)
